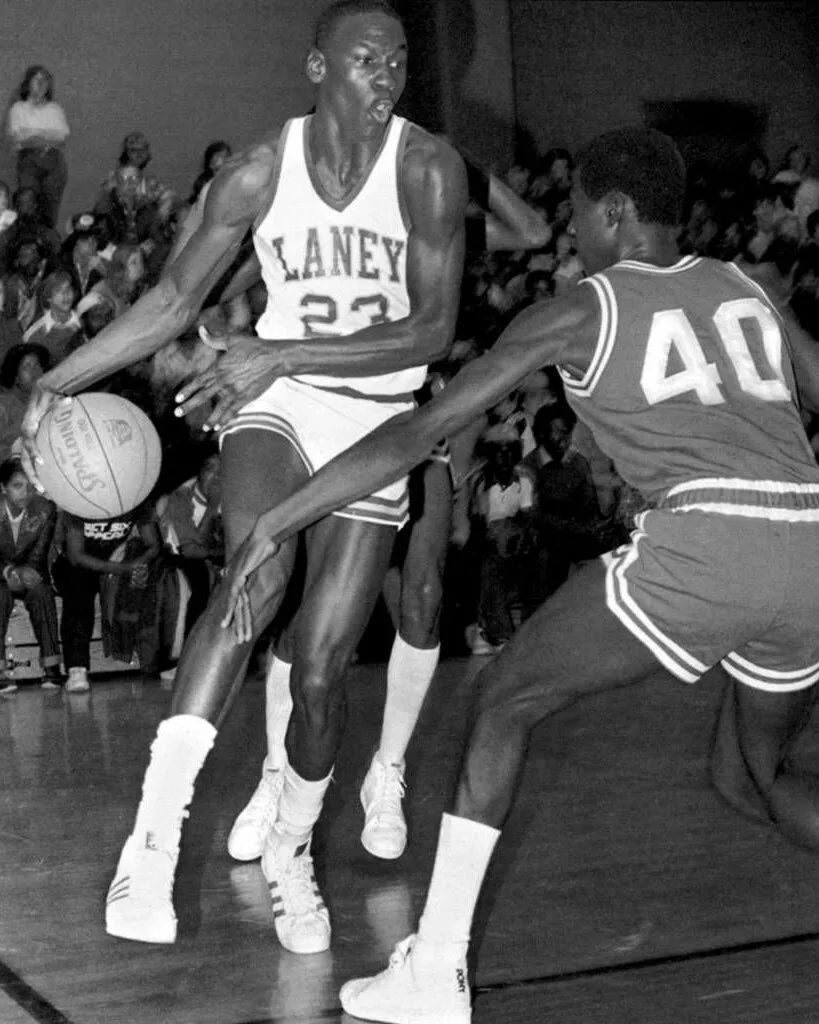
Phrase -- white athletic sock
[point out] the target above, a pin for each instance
(464, 851)
(299, 808)
(409, 674)
(177, 754)
(278, 708)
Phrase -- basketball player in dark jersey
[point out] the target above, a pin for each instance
(691, 380)
(358, 217)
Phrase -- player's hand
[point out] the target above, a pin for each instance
(38, 405)
(245, 371)
(255, 550)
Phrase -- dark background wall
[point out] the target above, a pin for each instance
(190, 71)
(184, 71)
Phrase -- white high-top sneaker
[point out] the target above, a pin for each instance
(252, 825)
(385, 829)
(406, 993)
(140, 899)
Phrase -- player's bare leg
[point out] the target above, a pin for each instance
(209, 675)
(413, 592)
(346, 563)
(427, 979)
(764, 727)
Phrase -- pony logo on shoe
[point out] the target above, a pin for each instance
(460, 979)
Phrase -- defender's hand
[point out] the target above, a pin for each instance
(255, 550)
(38, 405)
(245, 371)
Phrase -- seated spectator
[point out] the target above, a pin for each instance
(215, 156)
(28, 226)
(79, 255)
(58, 327)
(95, 318)
(500, 508)
(563, 526)
(7, 215)
(26, 531)
(131, 216)
(190, 523)
(805, 188)
(804, 300)
(136, 152)
(21, 367)
(568, 268)
(21, 285)
(11, 333)
(79, 571)
(124, 283)
(778, 231)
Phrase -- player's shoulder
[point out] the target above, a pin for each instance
(246, 176)
(426, 153)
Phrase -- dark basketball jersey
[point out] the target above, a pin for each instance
(691, 389)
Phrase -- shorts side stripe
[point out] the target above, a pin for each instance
(619, 601)
(268, 421)
(759, 679)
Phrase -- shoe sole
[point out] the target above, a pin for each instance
(390, 1015)
(307, 950)
(122, 931)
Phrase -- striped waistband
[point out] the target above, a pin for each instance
(404, 398)
(758, 499)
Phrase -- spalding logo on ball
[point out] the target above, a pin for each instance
(101, 455)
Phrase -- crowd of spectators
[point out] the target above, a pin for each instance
(534, 496)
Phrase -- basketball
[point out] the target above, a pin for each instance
(101, 455)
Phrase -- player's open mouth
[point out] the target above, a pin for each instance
(382, 110)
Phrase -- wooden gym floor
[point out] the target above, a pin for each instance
(623, 892)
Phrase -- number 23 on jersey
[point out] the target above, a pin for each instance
(741, 325)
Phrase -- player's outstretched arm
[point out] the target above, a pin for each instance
(511, 223)
(164, 312)
(563, 331)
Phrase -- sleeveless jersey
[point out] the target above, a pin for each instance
(691, 390)
(335, 267)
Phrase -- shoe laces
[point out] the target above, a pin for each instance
(388, 794)
(401, 953)
(262, 808)
(298, 885)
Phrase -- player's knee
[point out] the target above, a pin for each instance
(318, 675)
(421, 609)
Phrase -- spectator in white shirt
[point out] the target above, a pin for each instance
(37, 128)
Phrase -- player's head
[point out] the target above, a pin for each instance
(630, 175)
(358, 59)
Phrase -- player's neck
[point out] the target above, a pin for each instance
(656, 244)
(341, 149)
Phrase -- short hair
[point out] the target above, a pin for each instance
(15, 355)
(51, 282)
(8, 467)
(28, 74)
(641, 163)
(546, 414)
(341, 9)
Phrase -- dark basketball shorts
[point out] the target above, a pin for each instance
(699, 588)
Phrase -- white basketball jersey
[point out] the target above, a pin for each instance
(332, 268)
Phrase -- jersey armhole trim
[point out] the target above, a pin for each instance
(270, 191)
(584, 386)
(400, 151)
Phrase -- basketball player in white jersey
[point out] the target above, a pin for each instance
(358, 221)
(413, 588)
